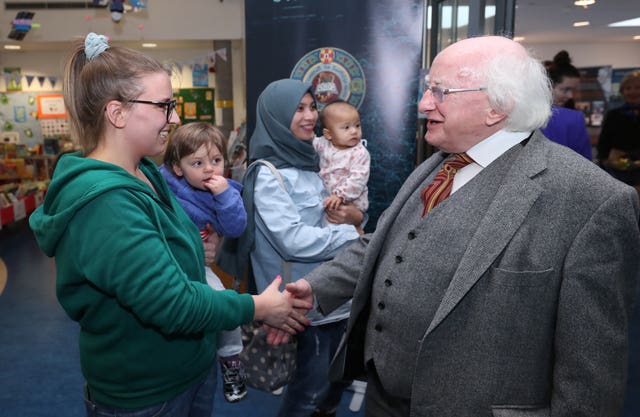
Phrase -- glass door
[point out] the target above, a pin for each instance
(451, 20)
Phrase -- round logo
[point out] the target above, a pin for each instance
(333, 74)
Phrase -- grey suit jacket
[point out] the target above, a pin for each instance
(534, 321)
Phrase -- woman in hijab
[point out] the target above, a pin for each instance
(288, 233)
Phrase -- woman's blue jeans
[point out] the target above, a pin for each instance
(310, 387)
(197, 401)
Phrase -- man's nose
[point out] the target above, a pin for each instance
(427, 102)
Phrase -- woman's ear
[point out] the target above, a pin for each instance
(116, 113)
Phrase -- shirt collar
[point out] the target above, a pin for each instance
(491, 148)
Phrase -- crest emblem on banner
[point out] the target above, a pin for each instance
(333, 74)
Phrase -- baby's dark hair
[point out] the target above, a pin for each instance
(332, 103)
(561, 67)
(188, 138)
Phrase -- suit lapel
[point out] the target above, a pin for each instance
(504, 216)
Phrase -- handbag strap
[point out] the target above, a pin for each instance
(286, 266)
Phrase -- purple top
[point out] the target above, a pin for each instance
(224, 211)
(567, 128)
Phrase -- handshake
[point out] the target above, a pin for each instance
(283, 313)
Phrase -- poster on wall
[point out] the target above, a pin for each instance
(200, 75)
(593, 93)
(195, 104)
(376, 68)
(13, 78)
(51, 106)
(19, 114)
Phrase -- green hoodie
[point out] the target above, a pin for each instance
(130, 270)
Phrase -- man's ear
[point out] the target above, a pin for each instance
(326, 133)
(116, 113)
(177, 170)
(493, 117)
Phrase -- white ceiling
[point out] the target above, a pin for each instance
(181, 25)
(171, 24)
(550, 21)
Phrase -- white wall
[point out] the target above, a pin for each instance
(179, 23)
(619, 55)
(51, 64)
(161, 20)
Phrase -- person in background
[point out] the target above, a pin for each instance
(344, 161)
(566, 126)
(193, 167)
(287, 234)
(128, 258)
(619, 142)
(500, 280)
(565, 79)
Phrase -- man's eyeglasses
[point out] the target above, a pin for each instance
(438, 93)
(170, 105)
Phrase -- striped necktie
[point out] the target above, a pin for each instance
(440, 188)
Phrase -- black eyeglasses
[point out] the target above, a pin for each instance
(439, 92)
(170, 105)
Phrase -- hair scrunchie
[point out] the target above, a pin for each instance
(94, 45)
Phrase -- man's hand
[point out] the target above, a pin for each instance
(302, 291)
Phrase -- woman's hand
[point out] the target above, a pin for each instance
(281, 310)
(211, 245)
(299, 289)
(346, 214)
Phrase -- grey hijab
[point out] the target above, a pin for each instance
(272, 139)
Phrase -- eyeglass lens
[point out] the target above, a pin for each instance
(171, 106)
(436, 92)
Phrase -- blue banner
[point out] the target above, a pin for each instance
(363, 51)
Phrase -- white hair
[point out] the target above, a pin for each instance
(519, 86)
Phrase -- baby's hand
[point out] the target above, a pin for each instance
(332, 202)
(216, 184)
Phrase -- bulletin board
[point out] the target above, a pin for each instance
(195, 104)
(19, 112)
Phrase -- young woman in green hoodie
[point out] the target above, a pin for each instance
(128, 259)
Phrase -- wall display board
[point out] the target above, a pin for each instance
(366, 52)
(195, 104)
(32, 117)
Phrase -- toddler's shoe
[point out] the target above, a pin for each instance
(321, 413)
(233, 379)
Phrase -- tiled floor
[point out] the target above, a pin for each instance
(39, 363)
